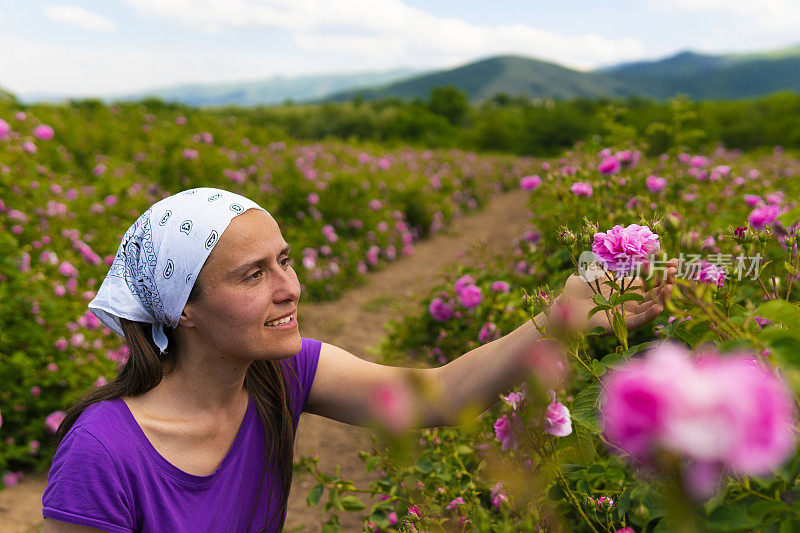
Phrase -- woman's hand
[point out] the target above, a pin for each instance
(569, 310)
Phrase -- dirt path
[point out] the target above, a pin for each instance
(354, 323)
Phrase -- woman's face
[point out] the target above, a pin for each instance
(247, 281)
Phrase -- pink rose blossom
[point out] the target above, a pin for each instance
(669, 400)
(470, 296)
(53, 420)
(655, 184)
(752, 200)
(439, 310)
(508, 431)
(764, 216)
(501, 286)
(623, 248)
(609, 165)
(530, 183)
(581, 189)
(43, 132)
(557, 421)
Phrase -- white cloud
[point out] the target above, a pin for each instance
(77, 16)
(754, 16)
(35, 67)
(387, 33)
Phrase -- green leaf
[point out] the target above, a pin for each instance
(555, 493)
(780, 311)
(314, 495)
(598, 367)
(628, 296)
(351, 503)
(763, 508)
(585, 441)
(623, 503)
(334, 500)
(595, 310)
(332, 525)
(372, 462)
(585, 400)
(463, 449)
(424, 465)
(597, 330)
(599, 299)
(789, 268)
(730, 518)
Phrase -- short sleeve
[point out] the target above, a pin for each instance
(307, 366)
(84, 486)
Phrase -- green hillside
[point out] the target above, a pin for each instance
(698, 75)
(513, 75)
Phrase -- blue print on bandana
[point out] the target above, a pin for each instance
(135, 262)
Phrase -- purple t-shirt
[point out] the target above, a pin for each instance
(106, 474)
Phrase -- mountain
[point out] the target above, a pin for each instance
(713, 77)
(701, 76)
(273, 90)
(509, 74)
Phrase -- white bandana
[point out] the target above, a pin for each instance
(160, 257)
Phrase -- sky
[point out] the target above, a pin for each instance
(84, 48)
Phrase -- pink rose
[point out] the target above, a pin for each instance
(609, 165)
(557, 421)
(470, 296)
(623, 248)
(43, 132)
(655, 184)
(764, 216)
(530, 183)
(507, 432)
(581, 189)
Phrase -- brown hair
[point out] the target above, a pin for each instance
(264, 381)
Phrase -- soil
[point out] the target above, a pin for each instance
(355, 323)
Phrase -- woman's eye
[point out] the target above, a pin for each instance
(254, 273)
(289, 261)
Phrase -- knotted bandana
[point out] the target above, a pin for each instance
(160, 257)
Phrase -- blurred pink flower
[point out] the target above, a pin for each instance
(414, 511)
(530, 183)
(752, 200)
(508, 431)
(498, 494)
(668, 400)
(470, 296)
(557, 421)
(43, 132)
(501, 286)
(29, 147)
(5, 129)
(655, 184)
(392, 404)
(764, 216)
(455, 503)
(53, 420)
(488, 332)
(581, 189)
(439, 310)
(609, 165)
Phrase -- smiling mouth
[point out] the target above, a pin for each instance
(281, 322)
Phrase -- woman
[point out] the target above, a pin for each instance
(196, 433)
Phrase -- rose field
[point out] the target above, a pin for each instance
(687, 423)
